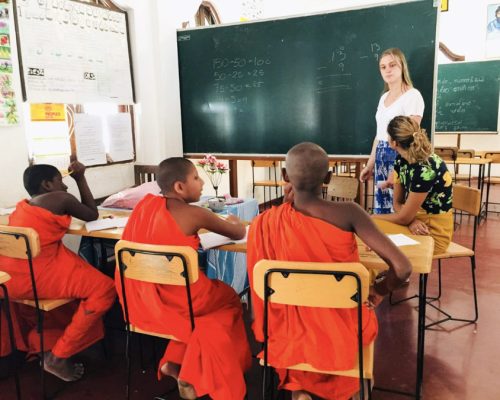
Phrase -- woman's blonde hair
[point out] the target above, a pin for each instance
(401, 59)
(406, 132)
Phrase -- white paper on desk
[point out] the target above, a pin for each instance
(210, 240)
(400, 239)
(7, 211)
(106, 223)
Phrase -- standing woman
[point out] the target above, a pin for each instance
(399, 98)
(422, 185)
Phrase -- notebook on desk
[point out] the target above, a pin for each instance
(210, 240)
(106, 223)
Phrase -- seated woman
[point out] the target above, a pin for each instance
(422, 185)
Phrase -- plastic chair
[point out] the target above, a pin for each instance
(23, 243)
(5, 277)
(305, 284)
(469, 200)
(166, 265)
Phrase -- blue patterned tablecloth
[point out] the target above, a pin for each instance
(226, 266)
(229, 266)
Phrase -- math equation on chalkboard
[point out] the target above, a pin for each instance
(234, 79)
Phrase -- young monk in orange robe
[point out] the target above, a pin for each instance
(59, 273)
(312, 229)
(211, 359)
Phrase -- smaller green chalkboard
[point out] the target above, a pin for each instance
(468, 97)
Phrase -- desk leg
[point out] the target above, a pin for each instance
(422, 294)
(487, 192)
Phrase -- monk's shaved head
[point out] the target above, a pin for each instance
(171, 170)
(306, 166)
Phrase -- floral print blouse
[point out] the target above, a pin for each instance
(431, 177)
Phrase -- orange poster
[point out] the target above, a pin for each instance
(47, 112)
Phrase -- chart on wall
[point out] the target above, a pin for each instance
(72, 52)
(8, 109)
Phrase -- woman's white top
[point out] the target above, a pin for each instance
(409, 103)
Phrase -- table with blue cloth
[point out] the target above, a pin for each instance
(229, 266)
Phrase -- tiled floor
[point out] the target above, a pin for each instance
(460, 363)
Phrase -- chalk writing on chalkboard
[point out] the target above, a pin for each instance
(467, 97)
(264, 86)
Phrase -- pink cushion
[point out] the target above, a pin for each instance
(128, 198)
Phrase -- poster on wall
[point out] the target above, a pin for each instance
(493, 31)
(8, 109)
(72, 52)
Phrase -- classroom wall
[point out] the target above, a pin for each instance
(463, 30)
(158, 120)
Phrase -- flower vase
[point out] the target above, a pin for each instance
(216, 188)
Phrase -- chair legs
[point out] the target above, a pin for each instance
(449, 317)
(42, 352)
(12, 340)
(129, 363)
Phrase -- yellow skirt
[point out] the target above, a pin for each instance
(440, 227)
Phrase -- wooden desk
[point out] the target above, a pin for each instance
(421, 259)
(77, 227)
(420, 255)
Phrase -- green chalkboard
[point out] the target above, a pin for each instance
(261, 87)
(467, 97)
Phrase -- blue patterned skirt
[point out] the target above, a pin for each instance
(384, 164)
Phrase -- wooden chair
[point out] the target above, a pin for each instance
(342, 188)
(449, 155)
(4, 278)
(272, 168)
(469, 200)
(145, 173)
(494, 156)
(464, 153)
(305, 284)
(167, 265)
(24, 243)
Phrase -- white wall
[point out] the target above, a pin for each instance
(463, 30)
(153, 25)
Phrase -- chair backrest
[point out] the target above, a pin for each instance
(494, 156)
(343, 187)
(466, 198)
(157, 263)
(17, 242)
(305, 283)
(264, 163)
(145, 173)
(4, 277)
(169, 265)
(447, 153)
(466, 153)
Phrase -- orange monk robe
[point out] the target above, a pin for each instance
(59, 273)
(215, 355)
(324, 338)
